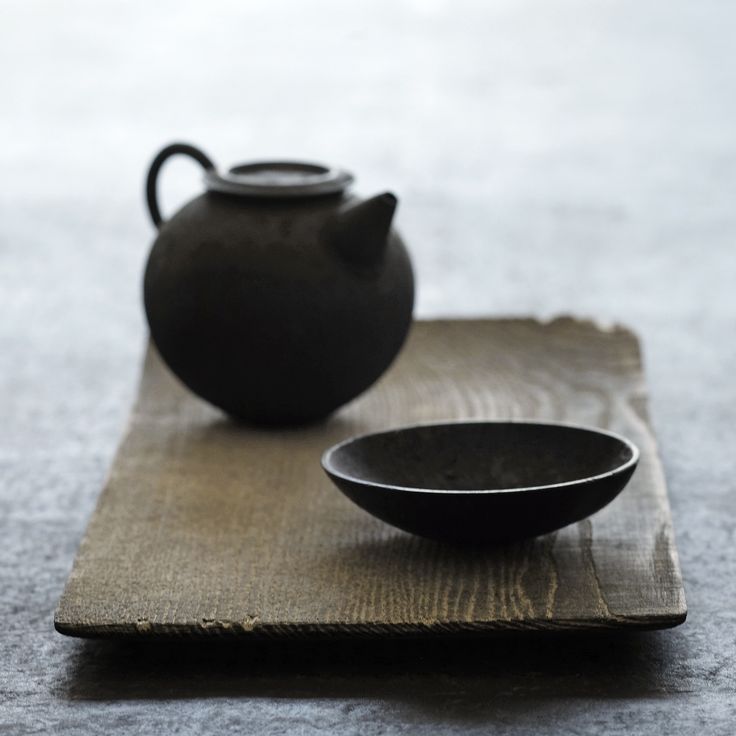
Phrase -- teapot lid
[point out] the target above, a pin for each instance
(278, 179)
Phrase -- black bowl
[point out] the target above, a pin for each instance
(482, 482)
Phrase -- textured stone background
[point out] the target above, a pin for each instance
(550, 157)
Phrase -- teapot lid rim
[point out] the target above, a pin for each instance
(279, 179)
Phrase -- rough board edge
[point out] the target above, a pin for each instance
(254, 631)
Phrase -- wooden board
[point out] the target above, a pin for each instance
(208, 528)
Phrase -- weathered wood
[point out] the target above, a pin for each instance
(210, 528)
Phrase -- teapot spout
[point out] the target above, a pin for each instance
(360, 231)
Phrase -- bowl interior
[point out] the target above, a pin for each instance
(479, 456)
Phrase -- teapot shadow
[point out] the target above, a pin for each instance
(225, 426)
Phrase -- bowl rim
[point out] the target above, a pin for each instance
(630, 463)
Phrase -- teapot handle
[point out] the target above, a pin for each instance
(156, 165)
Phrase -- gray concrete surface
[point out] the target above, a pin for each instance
(550, 157)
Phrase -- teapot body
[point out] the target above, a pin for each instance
(258, 306)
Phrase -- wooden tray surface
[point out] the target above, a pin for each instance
(207, 528)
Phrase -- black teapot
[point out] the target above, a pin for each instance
(276, 295)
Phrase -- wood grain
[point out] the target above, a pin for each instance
(207, 528)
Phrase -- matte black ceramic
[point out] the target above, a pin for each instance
(276, 294)
(482, 482)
